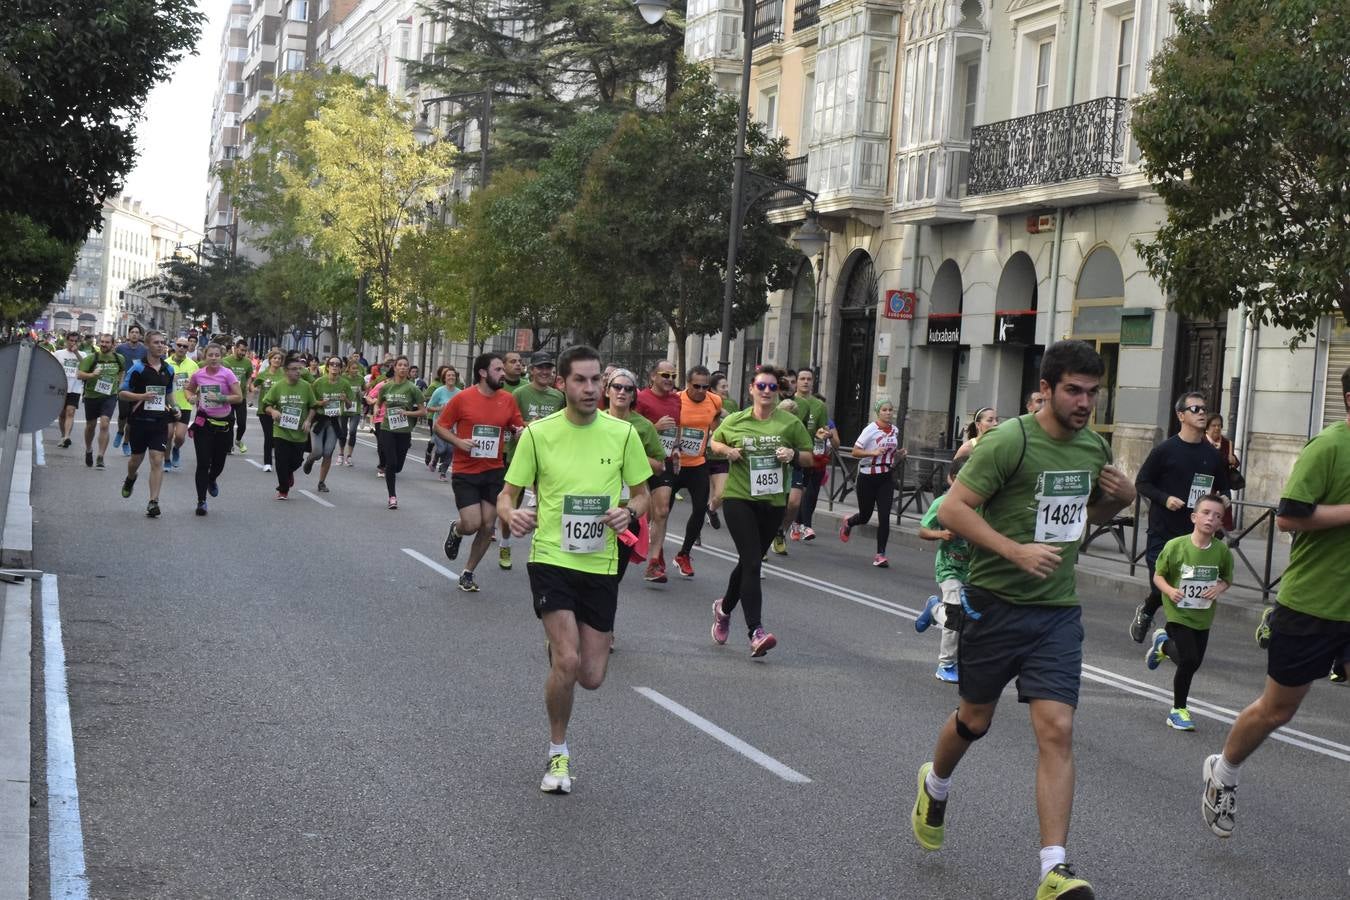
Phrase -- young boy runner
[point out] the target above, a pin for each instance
(951, 567)
(1190, 574)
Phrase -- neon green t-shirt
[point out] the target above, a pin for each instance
(182, 371)
(1184, 565)
(758, 475)
(1319, 561)
(294, 402)
(1036, 490)
(579, 471)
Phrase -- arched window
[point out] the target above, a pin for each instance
(801, 326)
(1099, 298)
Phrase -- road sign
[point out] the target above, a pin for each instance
(45, 392)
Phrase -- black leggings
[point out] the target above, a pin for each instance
(752, 524)
(393, 450)
(212, 443)
(379, 444)
(269, 442)
(810, 496)
(1186, 647)
(875, 491)
(240, 420)
(625, 555)
(695, 480)
(289, 455)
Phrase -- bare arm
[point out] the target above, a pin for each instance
(1323, 516)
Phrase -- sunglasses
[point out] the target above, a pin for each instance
(665, 374)
(697, 387)
(1195, 409)
(766, 385)
(624, 388)
(180, 346)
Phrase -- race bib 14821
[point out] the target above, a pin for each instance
(1061, 507)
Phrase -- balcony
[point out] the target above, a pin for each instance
(807, 14)
(930, 181)
(785, 206)
(1062, 157)
(768, 24)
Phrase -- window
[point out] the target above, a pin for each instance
(238, 54)
(971, 72)
(323, 7)
(299, 11)
(876, 105)
(808, 108)
(1124, 56)
(767, 110)
(1045, 52)
(295, 60)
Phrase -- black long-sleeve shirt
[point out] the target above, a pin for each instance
(1176, 468)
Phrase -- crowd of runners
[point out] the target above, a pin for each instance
(587, 460)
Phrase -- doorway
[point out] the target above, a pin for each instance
(857, 344)
(1199, 366)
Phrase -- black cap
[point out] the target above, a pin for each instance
(540, 358)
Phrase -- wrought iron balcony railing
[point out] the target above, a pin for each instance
(1081, 141)
(796, 176)
(768, 24)
(807, 14)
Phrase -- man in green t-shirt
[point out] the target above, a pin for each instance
(806, 480)
(1190, 573)
(538, 397)
(290, 403)
(239, 363)
(578, 463)
(1024, 500)
(101, 372)
(1310, 629)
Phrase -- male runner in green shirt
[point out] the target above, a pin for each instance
(242, 367)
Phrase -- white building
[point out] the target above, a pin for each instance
(227, 110)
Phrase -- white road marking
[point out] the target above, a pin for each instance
(65, 836)
(318, 500)
(432, 564)
(719, 734)
(253, 462)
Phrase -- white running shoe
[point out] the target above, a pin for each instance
(558, 778)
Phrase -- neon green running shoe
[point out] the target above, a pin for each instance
(780, 544)
(1263, 628)
(558, 778)
(928, 814)
(1060, 883)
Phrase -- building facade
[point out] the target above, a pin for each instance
(975, 168)
(227, 111)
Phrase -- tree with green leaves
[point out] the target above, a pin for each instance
(427, 271)
(33, 267)
(1246, 138)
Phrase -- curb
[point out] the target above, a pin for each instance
(16, 544)
(16, 680)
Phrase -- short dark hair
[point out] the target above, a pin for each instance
(1208, 498)
(482, 363)
(574, 354)
(1070, 358)
(1181, 403)
(292, 357)
(698, 370)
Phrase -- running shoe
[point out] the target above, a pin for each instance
(466, 583)
(65, 443)
(925, 618)
(655, 573)
(89, 459)
(152, 509)
(442, 478)
(1180, 719)
(780, 544)
(714, 520)
(1060, 883)
(1219, 804)
(881, 562)
(1139, 627)
(240, 446)
(452, 541)
(176, 453)
(1154, 655)
(558, 778)
(349, 461)
(281, 495)
(117, 439)
(309, 464)
(721, 627)
(504, 557)
(928, 815)
(1337, 675)
(379, 471)
(126, 448)
(98, 464)
(201, 508)
(1263, 628)
(795, 532)
(128, 485)
(762, 642)
(322, 487)
(213, 489)
(267, 468)
(845, 531)
(684, 564)
(808, 533)
(393, 503)
(948, 674)
(341, 460)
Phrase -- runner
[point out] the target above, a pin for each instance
(878, 448)
(1310, 630)
(514, 367)
(289, 405)
(401, 402)
(132, 350)
(578, 461)
(1192, 571)
(806, 480)
(69, 357)
(699, 413)
(216, 392)
(239, 363)
(101, 371)
(333, 395)
(717, 464)
(758, 442)
(1035, 400)
(147, 388)
(268, 377)
(1036, 483)
(193, 352)
(984, 420)
(661, 405)
(951, 568)
(621, 390)
(1176, 474)
(536, 399)
(442, 451)
(183, 367)
(351, 419)
(475, 421)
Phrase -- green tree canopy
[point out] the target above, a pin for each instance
(1248, 141)
(33, 267)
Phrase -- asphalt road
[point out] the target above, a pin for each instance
(284, 700)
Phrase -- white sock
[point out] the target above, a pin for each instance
(505, 543)
(557, 749)
(937, 787)
(1050, 857)
(1226, 772)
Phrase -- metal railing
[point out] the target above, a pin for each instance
(768, 24)
(796, 176)
(1079, 141)
(807, 14)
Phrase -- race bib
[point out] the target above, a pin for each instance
(155, 402)
(210, 396)
(1061, 510)
(766, 475)
(180, 381)
(351, 408)
(487, 442)
(670, 440)
(103, 386)
(290, 417)
(691, 441)
(583, 525)
(395, 419)
(71, 365)
(332, 408)
(1195, 580)
(1200, 486)
(820, 447)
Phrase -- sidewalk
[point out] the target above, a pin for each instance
(16, 681)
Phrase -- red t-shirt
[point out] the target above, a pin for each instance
(483, 420)
(654, 408)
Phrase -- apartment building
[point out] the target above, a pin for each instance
(976, 170)
(227, 110)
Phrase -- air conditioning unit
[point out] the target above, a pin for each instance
(1040, 224)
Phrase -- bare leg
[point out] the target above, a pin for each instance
(579, 655)
(103, 436)
(156, 473)
(951, 747)
(657, 514)
(1273, 709)
(1053, 723)
(486, 516)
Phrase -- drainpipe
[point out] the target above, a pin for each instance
(822, 273)
(1235, 386)
(902, 407)
(1075, 29)
(1242, 438)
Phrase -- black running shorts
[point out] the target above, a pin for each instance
(1040, 646)
(1303, 647)
(592, 598)
(477, 487)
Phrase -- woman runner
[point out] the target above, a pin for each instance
(717, 465)
(332, 394)
(351, 419)
(272, 373)
(213, 390)
(985, 419)
(620, 391)
(442, 452)
(400, 402)
(878, 448)
(289, 405)
(759, 443)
